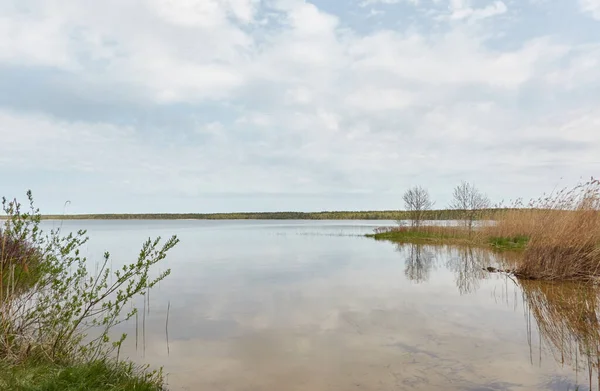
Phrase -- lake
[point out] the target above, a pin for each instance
(314, 305)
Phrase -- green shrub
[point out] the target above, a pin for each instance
(64, 313)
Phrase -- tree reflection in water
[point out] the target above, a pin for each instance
(418, 263)
(468, 264)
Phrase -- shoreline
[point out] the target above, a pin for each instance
(433, 215)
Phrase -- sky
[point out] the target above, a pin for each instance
(146, 106)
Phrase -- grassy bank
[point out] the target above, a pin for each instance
(425, 235)
(450, 235)
(100, 375)
(56, 317)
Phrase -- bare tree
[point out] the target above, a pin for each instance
(417, 202)
(468, 199)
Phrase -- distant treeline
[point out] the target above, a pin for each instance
(444, 214)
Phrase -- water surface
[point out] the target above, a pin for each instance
(312, 305)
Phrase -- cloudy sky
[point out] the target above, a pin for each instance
(245, 105)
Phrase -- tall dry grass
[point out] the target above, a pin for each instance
(563, 230)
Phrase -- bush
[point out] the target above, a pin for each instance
(54, 312)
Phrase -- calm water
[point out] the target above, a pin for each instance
(310, 305)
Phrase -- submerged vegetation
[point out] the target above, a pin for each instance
(559, 234)
(56, 317)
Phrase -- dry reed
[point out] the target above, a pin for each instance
(563, 231)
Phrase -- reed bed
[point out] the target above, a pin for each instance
(563, 231)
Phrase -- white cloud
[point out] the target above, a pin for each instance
(205, 13)
(366, 3)
(34, 40)
(38, 141)
(592, 7)
(461, 10)
(380, 99)
(456, 57)
(179, 60)
(581, 69)
(298, 95)
(164, 48)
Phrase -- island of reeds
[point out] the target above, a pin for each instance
(558, 234)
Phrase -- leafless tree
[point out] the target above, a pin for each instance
(417, 202)
(469, 200)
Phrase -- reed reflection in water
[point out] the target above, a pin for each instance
(566, 316)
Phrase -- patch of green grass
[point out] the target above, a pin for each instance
(509, 243)
(105, 375)
(413, 235)
(444, 235)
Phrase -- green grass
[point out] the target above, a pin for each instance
(445, 235)
(512, 243)
(418, 236)
(95, 376)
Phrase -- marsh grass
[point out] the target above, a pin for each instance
(449, 235)
(562, 231)
(424, 234)
(517, 242)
